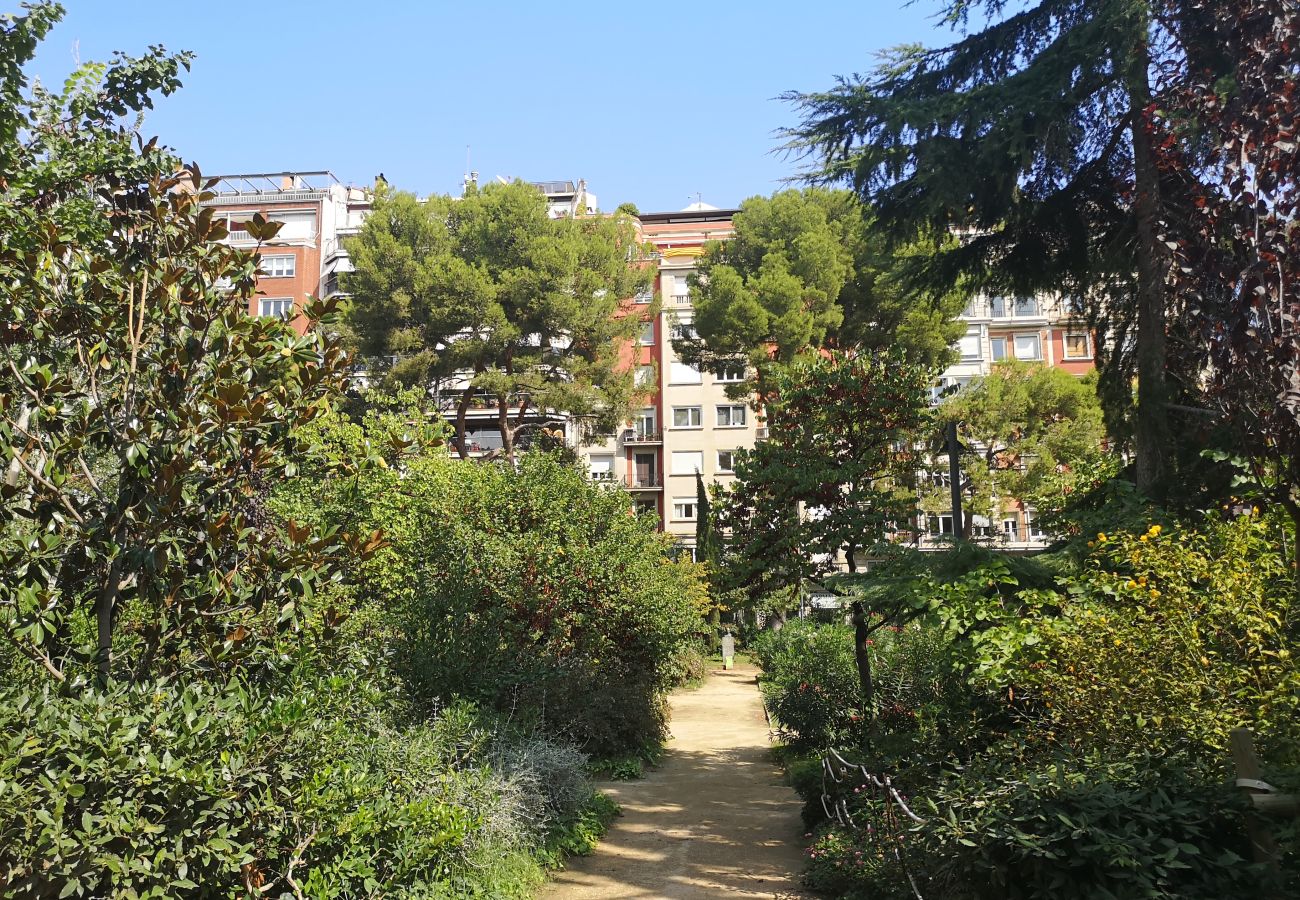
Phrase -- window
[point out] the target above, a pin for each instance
(681, 291)
(731, 415)
(726, 460)
(602, 467)
(939, 479)
(998, 307)
(684, 331)
(647, 333)
(645, 376)
(1028, 346)
(276, 306)
(998, 348)
(680, 373)
(970, 346)
(1078, 345)
(645, 422)
(647, 507)
(1026, 306)
(643, 298)
(1011, 529)
(972, 309)
(278, 266)
(688, 417)
(297, 226)
(684, 508)
(730, 373)
(937, 525)
(688, 462)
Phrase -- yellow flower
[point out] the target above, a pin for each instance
(1101, 537)
(1254, 510)
(1142, 581)
(1154, 593)
(1131, 584)
(1143, 539)
(1154, 530)
(1118, 642)
(1091, 544)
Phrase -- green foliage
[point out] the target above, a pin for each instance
(804, 269)
(529, 590)
(142, 411)
(1062, 729)
(1029, 428)
(835, 474)
(488, 284)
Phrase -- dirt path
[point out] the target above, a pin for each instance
(713, 820)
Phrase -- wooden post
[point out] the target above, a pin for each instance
(1247, 764)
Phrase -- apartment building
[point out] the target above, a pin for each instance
(1044, 329)
(688, 424)
(316, 211)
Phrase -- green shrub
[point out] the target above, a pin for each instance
(156, 790)
(527, 590)
(810, 684)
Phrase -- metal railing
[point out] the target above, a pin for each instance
(645, 482)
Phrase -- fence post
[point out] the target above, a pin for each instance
(1247, 764)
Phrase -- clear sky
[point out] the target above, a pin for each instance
(650, 103)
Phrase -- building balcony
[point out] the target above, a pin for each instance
(651, 482)
(642, 436)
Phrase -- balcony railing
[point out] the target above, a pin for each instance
(682, 299)
(639, 482)
(642, 436)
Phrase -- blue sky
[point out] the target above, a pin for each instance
(650, 103)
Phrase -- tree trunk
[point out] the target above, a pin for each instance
(503, 425)
(1151, 426)
(862, 653)
(105, 601)
(849, 551)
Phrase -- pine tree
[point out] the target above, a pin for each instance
(1031, 139)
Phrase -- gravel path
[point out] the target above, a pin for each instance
(713, 820)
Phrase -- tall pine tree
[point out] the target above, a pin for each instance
(1031, 139)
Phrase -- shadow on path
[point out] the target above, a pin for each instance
(714, 819)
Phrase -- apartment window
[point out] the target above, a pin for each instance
(1078, 345)
(1026, 306)
(643, 298)
(939, 479)
(276, 306)
(647, 333)
(684, 508)
(645, 376)
(729, 374)
(688, 462)
(731, 415)
(602, 467)
(970, 347)
(681, 291)
(680, 373)
(1028, 346)
(688, 417)
(296, 226)
(938, 525)
(684, 331)
(998, 307)
(1011, 529)
(646, 507)
(645, 421)
(726, 460)
(278, 266)
(998, 348)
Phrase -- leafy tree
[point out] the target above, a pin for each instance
(808, 269)
(487, 294)
(1031, 138)
(1238, 252)
(1022, 424)
(142, 412)
(834, 475)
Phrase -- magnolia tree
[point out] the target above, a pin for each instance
(143, 413)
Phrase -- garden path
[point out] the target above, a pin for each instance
(714, 819)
